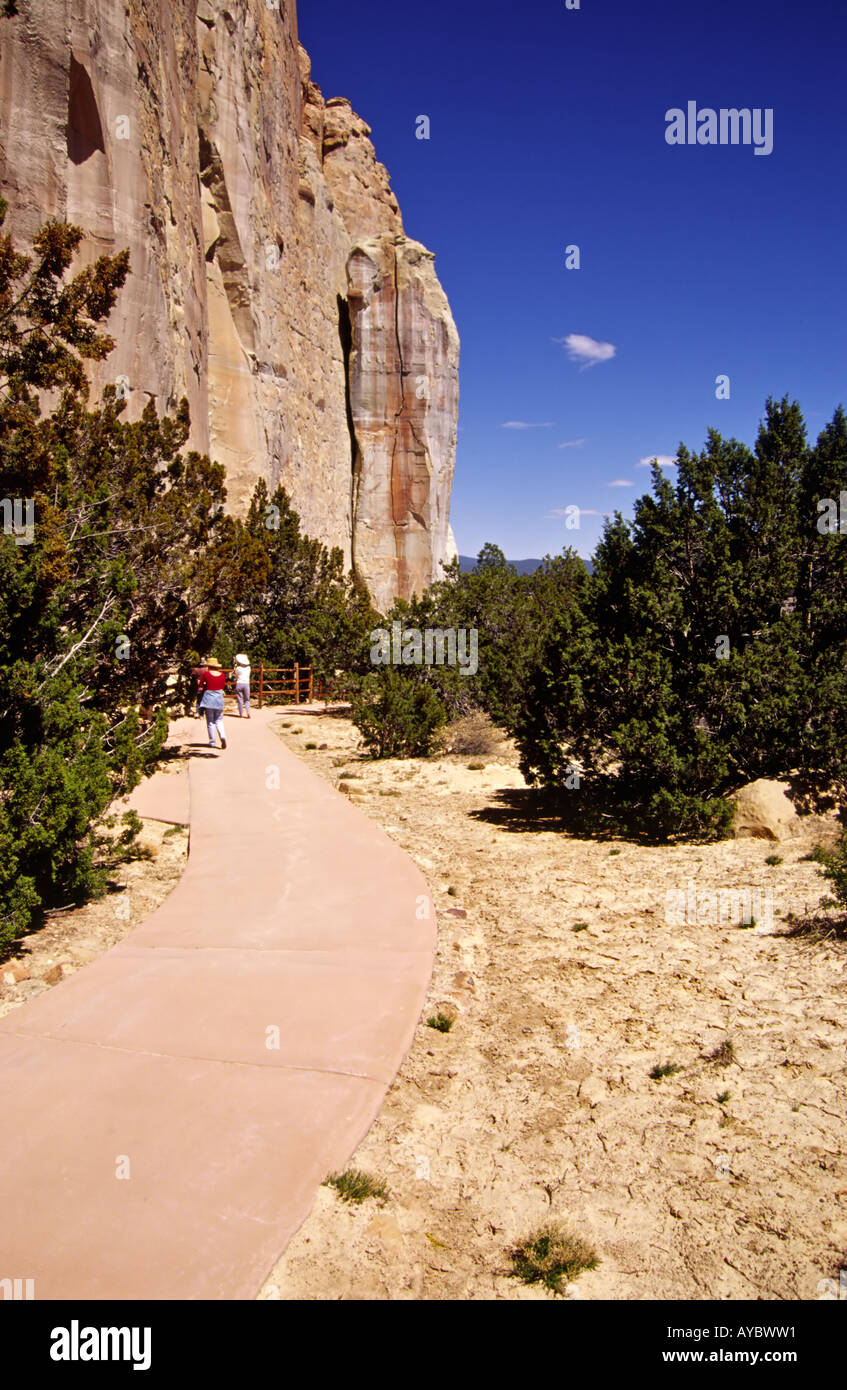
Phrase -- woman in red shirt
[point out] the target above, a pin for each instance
(211, 686)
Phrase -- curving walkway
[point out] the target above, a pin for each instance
(227, 1055)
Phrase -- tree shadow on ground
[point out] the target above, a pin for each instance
(816, 928)
(525, 811)
(334, 711)
(580, 813)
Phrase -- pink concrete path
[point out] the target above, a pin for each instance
(168, 1113)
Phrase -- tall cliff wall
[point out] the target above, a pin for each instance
(272, 282)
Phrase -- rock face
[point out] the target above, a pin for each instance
(272, 283)
(763, 811)
(404, 404)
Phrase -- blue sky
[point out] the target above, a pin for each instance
(548, 130)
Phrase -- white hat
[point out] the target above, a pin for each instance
(242, 660)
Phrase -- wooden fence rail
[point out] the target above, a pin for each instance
(291, 685)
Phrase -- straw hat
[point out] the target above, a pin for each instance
(242, 660)
(213, 663)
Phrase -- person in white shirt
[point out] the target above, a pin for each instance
(242, 684)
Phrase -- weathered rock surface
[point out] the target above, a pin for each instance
(763, 811)
(269, 261)
(404, 388)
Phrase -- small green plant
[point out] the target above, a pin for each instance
(747, 925)
(476, 767)
(398, 716)
(311, 745)
(451, 892)
(816, 855)
(835, 872)
(723, 1055)
(723, 1097)
(355, 1186)
(773, 860)
(614, 851)
(552, 1256)
(580, 926)
(664, 1069)
(441, 1022)
(296, 731)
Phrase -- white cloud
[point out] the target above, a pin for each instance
(664, 461)
(571, 444)
(527, 425)
(621, 482)
(586, 350)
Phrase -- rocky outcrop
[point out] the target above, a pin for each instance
(404, 403)
(272, 282)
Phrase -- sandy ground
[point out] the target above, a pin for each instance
(538, 1103)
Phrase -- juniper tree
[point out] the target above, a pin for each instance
(98, 604)
(822, 616)
(512, 615)
(287, 597)
(708, 649)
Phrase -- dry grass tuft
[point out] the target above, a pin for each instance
(474, 733)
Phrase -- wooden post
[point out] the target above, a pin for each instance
(311, 683)
(297, 682)
(261, 682)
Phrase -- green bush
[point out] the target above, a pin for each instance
(834, 864)
(397, 715)
(96, 606)
(512, 615)
(708, 648)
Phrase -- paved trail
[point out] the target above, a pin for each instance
(227, 1055)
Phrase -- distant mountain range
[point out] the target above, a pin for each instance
(468, 563)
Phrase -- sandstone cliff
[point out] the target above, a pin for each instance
(272, 282)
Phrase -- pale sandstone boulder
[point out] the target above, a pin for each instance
(192, 134)
(763, 811)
